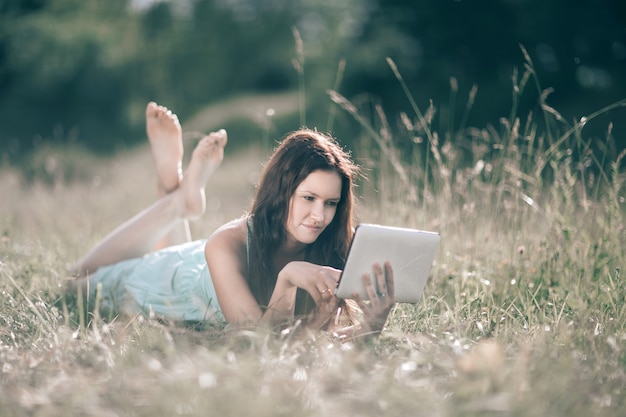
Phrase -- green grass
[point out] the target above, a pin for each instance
(523, 314)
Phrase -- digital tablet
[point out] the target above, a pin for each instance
(411, 253)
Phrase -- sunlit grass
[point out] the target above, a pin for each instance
(523, 314)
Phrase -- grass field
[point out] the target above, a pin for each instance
(523, 314)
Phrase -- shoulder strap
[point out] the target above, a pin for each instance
(249, 222)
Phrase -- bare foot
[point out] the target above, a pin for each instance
(166, 142)
(206, 157)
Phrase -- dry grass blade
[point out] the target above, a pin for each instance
(42, 321)
(383, 144)
(583, 121)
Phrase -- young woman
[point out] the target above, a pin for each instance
(281, 260)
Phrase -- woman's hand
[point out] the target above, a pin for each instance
(319, 281)
(376, 311)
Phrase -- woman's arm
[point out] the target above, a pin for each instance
(226, 257)
(318, 281)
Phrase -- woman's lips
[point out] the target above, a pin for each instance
(314, 229)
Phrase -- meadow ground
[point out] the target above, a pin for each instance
(523, 314)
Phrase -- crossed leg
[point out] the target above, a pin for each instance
(140, 234)
(166, 143)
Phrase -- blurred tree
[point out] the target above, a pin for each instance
(83, 70)
(63, 71)
(577, 46)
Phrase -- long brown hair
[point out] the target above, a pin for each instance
(299, 153)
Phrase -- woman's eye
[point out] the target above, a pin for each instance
(309, 198)
(331, 203)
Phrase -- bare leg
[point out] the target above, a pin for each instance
(137, 236)
(165, 135)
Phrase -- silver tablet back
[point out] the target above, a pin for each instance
(411, 253)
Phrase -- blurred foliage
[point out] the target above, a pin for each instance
(81, 71)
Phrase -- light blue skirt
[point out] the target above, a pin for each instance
(173, 283)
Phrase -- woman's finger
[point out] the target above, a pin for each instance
(389, 281)
(326, 290)
(320, 284)
(330, 277)
(380, 279)
(327, 300)
(328, 284)
(359, 301)
(325, 312)
(317, 293)
(369, 288)
(326, 293)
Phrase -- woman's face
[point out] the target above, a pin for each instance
(313, 206)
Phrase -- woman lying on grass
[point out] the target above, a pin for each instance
(281, 261)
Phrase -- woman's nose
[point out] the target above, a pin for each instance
(317, 212)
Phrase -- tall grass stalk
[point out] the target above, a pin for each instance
(298, 64)
(341, 68)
